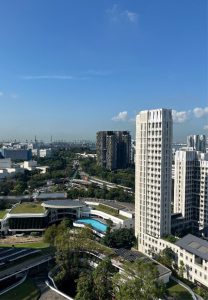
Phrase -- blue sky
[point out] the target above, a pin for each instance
(70, 68)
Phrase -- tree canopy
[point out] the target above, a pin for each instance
(120, 238)
(137, 281)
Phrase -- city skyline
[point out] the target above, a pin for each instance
(73, 69)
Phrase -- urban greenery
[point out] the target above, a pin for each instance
(138, 282)
(110, 211)
(34, 245)
(2, 213)
(177, 291)
(26, 291)
(28, 207)
(124, 177)
(167, 257)
(101, 193)
(201, 292)
(119, 238)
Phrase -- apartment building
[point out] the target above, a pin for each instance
(191, 189)
(197, 142)
(153, 176)
(113, 149)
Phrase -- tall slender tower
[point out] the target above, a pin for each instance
(153, 176)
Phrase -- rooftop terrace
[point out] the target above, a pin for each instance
(2, 213)
(28, 208)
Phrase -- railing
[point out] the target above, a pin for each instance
(58, 292)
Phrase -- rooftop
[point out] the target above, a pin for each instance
(45, 196)
(131, 256)
(194, 245)
(27, 208)
(67, 203)
(2, 213)
(113, 203)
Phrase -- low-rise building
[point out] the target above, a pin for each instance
(38, 215)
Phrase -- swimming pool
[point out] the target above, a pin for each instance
(97, 225)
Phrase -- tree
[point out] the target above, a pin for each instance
(181, 269)
(85, 287)
(167, 257)
(50, 235)
(137, 281)
(102, 278)
(120, 238)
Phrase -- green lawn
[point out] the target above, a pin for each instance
(110, 211)
(26, 291)
(28, 207)
(177, 291)
(38, 245)
(2, 213)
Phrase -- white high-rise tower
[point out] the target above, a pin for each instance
(153, 176)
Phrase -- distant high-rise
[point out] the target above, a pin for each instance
(153, 176)
(185, 168)
(191, 188)
(197, 142)
(113, 149)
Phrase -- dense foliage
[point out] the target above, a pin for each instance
(119, 238)
(60, 166)
(96, 192)
(122, 177)
(167, 257)
(138, 282)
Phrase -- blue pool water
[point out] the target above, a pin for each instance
(94, 223)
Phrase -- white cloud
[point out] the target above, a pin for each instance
(56, 77)
(1, 94)
(122, 116)
(200, 112)
(131, 16)
(206, 127)
(180, 116)
(116, 14)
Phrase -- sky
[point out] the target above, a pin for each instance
(71, 68)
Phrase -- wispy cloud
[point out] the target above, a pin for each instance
(200, 112)
(122, 116)
(14, 96)
(39, 77)
(80, 76)
(115, 14)
(131, 16)
(1, 94)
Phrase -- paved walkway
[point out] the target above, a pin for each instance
(46, 292)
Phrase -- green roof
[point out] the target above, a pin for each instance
(2, 213)
(28, 208)
(111, 211)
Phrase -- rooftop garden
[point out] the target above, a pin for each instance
(110, 210)
(2, 213)
(170, 238)
(28, 207)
